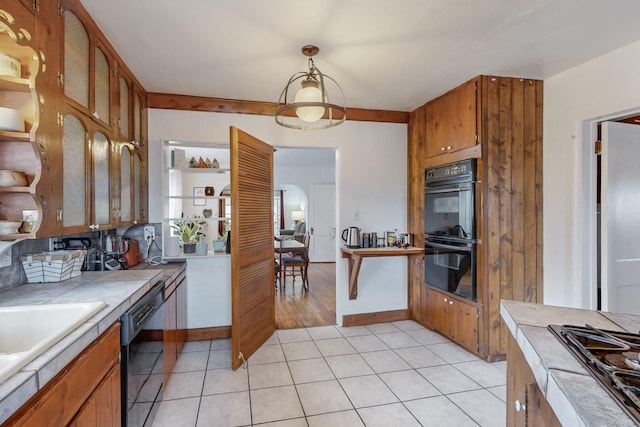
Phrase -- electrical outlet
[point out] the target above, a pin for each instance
(149, 232)
(5, 257)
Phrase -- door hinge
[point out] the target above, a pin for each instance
(36, 6)
(598, 147)
(60, 9)
(61, 79)
(60, 119)
(478, 315)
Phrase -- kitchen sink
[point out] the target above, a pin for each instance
(27, 331)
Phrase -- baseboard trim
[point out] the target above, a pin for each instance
(376, 317)
(212, 333)
(197, 334)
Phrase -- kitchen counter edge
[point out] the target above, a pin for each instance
(574, 395)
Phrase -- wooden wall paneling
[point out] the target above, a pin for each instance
(415, 197)
(518, 179)
(491, 240)
(539, 189)
(509, 215)
(529, 167)
(505, 196)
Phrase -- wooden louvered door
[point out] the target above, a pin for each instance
(252, 290)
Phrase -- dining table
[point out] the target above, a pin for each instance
(293, 246)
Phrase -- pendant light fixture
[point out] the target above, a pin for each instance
(305, 103)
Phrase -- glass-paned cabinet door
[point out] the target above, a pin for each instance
(137, 187)
(124, 107)
(74, 177)
(76, 59)
(101, 196)
(125, 184)
(137, 117)
(101, 87)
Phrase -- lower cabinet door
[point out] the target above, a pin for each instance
(102, 409)
(170, 348)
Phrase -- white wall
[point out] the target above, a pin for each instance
(605, 87)
(371, 178)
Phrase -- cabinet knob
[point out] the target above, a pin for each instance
(442, 148)
(448, 147)
(450, 302)
(445, 299)
(520, 406)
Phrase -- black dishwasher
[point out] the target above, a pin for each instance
(133, 322)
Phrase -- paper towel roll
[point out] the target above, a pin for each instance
(171, 246)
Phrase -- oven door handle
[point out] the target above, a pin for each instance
(466, 248)
(456, 188)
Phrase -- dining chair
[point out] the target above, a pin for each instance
(297, 265)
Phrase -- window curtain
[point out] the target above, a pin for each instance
(281, 209)
(221, 208)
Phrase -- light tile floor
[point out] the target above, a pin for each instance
(392, 374)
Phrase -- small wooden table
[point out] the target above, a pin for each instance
(355, 256)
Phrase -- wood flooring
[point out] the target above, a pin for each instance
(296, 308)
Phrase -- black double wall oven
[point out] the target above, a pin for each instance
(450, 228)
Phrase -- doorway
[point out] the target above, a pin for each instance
(618, 211)
(299, 172)
(593, 239)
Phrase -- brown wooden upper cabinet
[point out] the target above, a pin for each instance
(452, 120)
(83, 149)
(87, 69)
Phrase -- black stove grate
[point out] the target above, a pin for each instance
(603, 353)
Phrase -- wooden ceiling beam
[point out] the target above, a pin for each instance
(169, 101)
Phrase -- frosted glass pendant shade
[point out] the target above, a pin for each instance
(309, 94)
(310, 103)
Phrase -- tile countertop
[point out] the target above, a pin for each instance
(576, 397)
(117, 289)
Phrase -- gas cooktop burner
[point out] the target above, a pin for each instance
(612, 357)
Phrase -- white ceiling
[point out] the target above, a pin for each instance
(391, 55)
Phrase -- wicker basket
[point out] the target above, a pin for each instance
(53, 266)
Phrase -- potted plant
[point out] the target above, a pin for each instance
(189, 231)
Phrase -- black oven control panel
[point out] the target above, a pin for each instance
(459, 171)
